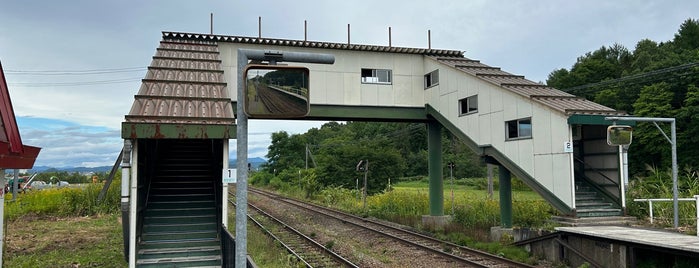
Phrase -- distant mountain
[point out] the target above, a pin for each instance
(41, 169)
(255, 162)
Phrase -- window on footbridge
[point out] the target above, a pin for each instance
(376, 76)
(468, 105)
(519, 129)
(432, 79)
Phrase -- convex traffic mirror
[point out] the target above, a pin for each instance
(276, 91)
(619, 135)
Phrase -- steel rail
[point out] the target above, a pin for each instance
(482, 259)
(305, 239)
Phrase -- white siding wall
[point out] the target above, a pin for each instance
(542, 156)
(340, 83)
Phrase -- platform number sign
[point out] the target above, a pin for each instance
(568, 147)
(229, 175)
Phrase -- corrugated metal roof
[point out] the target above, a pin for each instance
(184, 85)
(192, 53)
(192, 37)
(551, 97)
(574, 105)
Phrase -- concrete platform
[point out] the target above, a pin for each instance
(653, 238)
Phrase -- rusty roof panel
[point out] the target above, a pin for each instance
(575, 105)
(183, 85)
(185, 107)
(180, 89)
(201, 55)
(176, 63)
(481, 70)
(548, 96)
(206, 38)
(208, 47)
(502, 80)
(211, 76)
(536, 90)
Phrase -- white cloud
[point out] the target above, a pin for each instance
(522, 37)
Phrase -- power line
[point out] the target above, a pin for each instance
(71, 84)
(634, 77)
(76, 72)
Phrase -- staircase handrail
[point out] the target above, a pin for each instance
(596, 170)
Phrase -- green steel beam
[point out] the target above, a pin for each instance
(588, 119)
(131, 130)
(434, 149)
(364, 113)
(505, 178)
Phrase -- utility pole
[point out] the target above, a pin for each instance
(451, 174)
(364, 168)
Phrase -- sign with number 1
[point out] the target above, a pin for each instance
(230, 176)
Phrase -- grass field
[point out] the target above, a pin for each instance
(462, 191)
(94, 241)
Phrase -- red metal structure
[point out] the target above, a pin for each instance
(13, 154)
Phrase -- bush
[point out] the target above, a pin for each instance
(659, 185)
(65, 202)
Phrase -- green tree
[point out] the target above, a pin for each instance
(285, 152)
(654, 101)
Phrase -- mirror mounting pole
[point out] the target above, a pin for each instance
(673, 142)
(241, 189)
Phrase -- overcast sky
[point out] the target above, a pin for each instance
(76, 116)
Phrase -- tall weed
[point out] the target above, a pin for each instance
(658, 184)
(65, 202)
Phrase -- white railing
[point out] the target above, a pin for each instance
(651, 200)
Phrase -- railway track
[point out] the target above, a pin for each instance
(464, 256)
(305, 249)
(276, 102)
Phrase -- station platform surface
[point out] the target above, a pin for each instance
(655, 238)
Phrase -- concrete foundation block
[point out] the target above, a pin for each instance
(436, 222)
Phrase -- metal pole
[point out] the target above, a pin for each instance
(451, 174)
(133, 206)
(224, 186)
(366, 171)
(622, 187)
(696, 198)
(2, 214)
(673, 143)
(125, 198)
(675, 202)
(15, 184)
(241, 189)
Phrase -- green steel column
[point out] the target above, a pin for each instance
(434, 163)
(505, 197)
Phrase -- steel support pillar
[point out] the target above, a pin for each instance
(434, 144)
(505, 179)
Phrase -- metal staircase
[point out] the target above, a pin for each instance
(591, 203)
(180, 222)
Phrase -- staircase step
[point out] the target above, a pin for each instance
(594, 221)
(179, 235)
(181, 197)
(180, 204)
(598, 212)
(173, 227)
(197, 261)
(170, 253)
(178, 191)
(164, 212)
(179, 219)
(179, 244)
